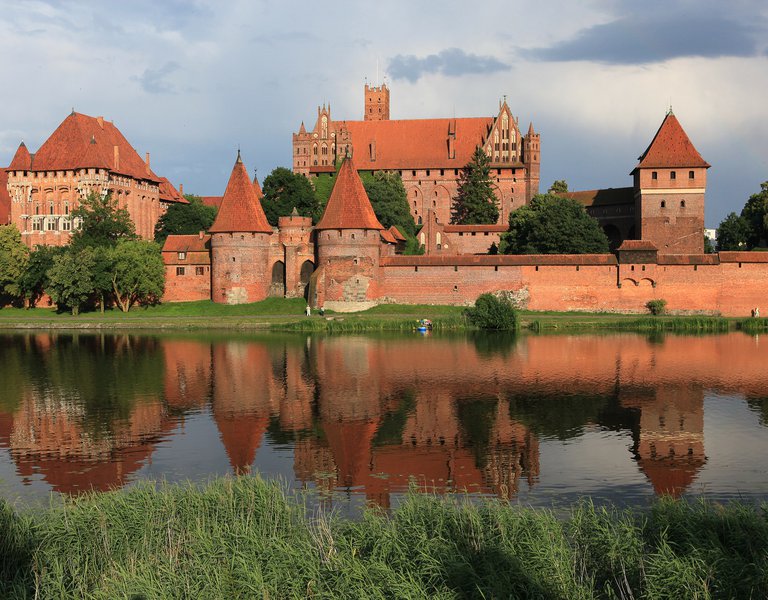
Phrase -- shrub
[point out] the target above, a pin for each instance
(492, 312)
(656, 307)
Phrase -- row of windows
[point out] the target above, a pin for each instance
(55, 223)
(198, 270)
(664, 204)
(672, 175)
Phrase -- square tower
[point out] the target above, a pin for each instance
(376, 103)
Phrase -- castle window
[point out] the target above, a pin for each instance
(663, 204)
(690, 175)
(233, 259)
(654, 175)
(455, 171)
(66, 224)
(427, 172)
(672, 175)
(199, 270)
(682, 203)
(442, 172)
(180, 270)
(413, 173)
(182, 256)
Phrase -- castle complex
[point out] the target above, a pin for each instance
(39, 191)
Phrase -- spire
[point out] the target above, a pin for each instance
(349, 206)
(256, 186)
(530, 128)
(22, 160)
(240, 207)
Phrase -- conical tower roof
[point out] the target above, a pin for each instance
(671, 147)
(349, 206)
(257, 187)
(22, 160)
(240, 207)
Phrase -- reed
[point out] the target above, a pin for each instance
(245, 537)
(355, 323)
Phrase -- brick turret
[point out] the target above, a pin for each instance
(670, 182)
(376, 103)
(240, 243)
(532, 162)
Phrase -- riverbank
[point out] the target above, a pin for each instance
(244, 537)
(279, 314)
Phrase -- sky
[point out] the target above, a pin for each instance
(193, 81)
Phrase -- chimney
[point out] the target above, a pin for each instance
(147, 162)
(181, 189)
(100, 121)
(201, 234)
(116, 162)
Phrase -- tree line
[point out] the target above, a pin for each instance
(749, 229)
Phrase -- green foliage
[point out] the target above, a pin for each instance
(656, 307)
(492, 312)
(733, 233)
(389, 201)
(104, 223)
(558, 187)
(709, 247)
(755, 213)
(137, 273)
(34, 281)
(71, 278)
(284, 191)
(553, 225)
(14, 256)
(185, 219)
(475, 202)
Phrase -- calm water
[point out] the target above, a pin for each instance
(540, 420)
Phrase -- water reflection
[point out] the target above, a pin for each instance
(371, 416)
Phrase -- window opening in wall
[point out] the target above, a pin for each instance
(663, 204)
(672, 175)
(182, 255)
(691, 175)
(442, 172)
(695, 267)
(496, 267)
(199, 270)
(455, 268)
(413, 173)
(632, 268)
(577, 267)
(180, 270)
(537, 267)
(233, 259)
(455, 171)
(455, 288)
(416, 269)
(654, 175)
(643, 268)
(427, 172)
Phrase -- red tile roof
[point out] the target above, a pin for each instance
(637, 245)
(349, 206)
(168, 193)
(416, 143)
(5, 199)
(396, 234)
(475, 228)
(607, 197)
(671, 147)
(187, 243)
(82, 142)
(214, 201)
(240, 207)
(257, 188)
(387, 236)
(22, 160)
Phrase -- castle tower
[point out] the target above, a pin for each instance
(532, 162)
(376, 103)
(240, 243)
(348, 244)
(670, 181)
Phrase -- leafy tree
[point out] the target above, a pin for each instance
(138, 274)
(558, 187)
(755, 213)
(709, 247)
(733, 233)
(34, 281)
(475, 202)
(71, 281)
(553, 225)
(103, 222)
(14, 256)
(389, 200)
(284, 191)
(182, 219)
(492, 312)
(103, 267)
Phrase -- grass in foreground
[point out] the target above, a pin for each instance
(246, 538)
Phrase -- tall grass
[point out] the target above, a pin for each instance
(354, 323)
(244, 538)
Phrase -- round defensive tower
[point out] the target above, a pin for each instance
(240, 243)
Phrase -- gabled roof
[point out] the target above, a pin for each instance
(349, 206)
(606, 197)
(671, 147)
(83, 142)
(186, 243)
(644, 245)
(168, 193)
(386, 235)
(22, 160)
(5, 198)
(396, 234)
(240, 208)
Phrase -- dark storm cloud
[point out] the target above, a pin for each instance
(155, 81)
(657, 37)
(452, 62)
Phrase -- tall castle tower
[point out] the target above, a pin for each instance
(376, 103)
(532, 162)
(240, 243)
(670, 181)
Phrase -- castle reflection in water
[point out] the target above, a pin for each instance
(365, 414)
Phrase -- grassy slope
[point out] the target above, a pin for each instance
(245, 538)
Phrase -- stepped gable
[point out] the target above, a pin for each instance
(22, 160)
(349, 206)
(416, 143)
(5, 199)
(671, 147)
(240, 208)
(90, 142)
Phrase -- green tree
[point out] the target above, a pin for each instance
(14, 256)
(138, 273)
(390, 203)
(284, 191)
(733, 233)
(475, 202)
(492, 312)
(755, 213)
(558, 187)
(34, 281)
(71, 282)
(181, 219)
(553, 225)
(709, 247)
(103, 223)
